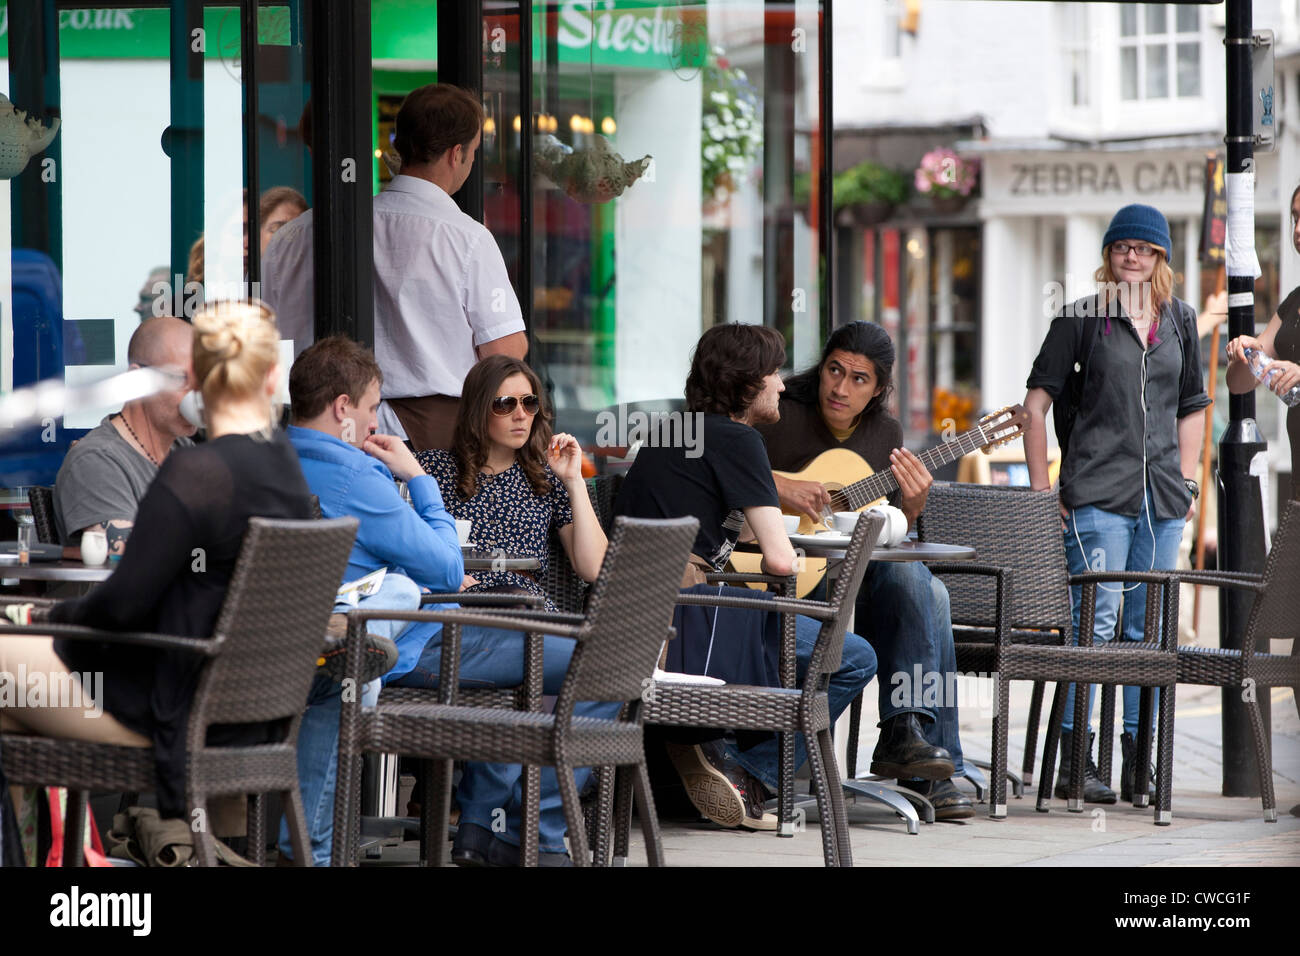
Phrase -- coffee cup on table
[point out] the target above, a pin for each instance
(791, 523)
(463, 527)
(94, 548)
(845, 521)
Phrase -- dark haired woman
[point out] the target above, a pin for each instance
(902, 609)
(1127, 485)
(513, 479)
(1280, 341)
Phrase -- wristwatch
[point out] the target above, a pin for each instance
(1192, 487)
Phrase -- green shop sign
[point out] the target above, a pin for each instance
(144, 33)
(636, 35)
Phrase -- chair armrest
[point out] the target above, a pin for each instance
(482, 599)
(1133, 577)
(814, 609)
(472, 617)
(1001, 582)
(964, 567)
(1224, 579)
(203, 646)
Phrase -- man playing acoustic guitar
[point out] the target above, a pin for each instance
(902, 610)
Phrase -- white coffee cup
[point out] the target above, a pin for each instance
(845, 521)
(94, 548)
(791, 523)
(463, 527)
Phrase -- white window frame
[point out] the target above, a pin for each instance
(1169, 40)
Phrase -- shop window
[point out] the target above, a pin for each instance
(718, 224)
(1160, 51)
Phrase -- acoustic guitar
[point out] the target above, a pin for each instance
(855, 486)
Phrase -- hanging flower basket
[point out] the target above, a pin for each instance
(946, 179)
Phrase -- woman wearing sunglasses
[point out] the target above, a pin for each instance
(513, 479)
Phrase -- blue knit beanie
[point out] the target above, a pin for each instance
(1137, 221)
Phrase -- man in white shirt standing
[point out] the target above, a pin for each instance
(443, 298)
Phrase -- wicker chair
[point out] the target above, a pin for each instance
(1018, 625)
(261, 659)
(618, 643)
(1272, 616)
(784, 710)
(41, 498)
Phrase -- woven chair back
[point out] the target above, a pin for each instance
(829, 649)
(1011, 528)
(273, 620)
(630, 611)
(41, 498)
(1274, 614)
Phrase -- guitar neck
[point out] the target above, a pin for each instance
(883, 483)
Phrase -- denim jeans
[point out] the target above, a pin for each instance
(318, 734)
(902, 611)
(857, 667)
(491, 794)
(1097, 540)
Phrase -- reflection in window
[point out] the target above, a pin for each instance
(721, 227)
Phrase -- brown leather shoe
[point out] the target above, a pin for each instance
(378, 656)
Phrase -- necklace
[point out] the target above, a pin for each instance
(147, 454)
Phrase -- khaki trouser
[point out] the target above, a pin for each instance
(430, 421)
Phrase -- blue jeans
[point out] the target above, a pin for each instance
(491, 794)
(902, 610)
(318, 734)
(1097, 540)
(857, 667)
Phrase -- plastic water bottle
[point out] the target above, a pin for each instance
(1259, 366)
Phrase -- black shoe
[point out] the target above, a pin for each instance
(949, 803)
(472, 845)
(378, 656)
(903, 752)
(720, 788)
(1128, 748)
(1094, 791)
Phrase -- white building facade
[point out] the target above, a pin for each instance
(1080, 108)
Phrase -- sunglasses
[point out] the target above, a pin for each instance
(504, 405)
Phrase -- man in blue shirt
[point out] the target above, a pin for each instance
(334, 389)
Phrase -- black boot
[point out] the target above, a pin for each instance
(903, 751)
(1094, 791)
(1128, 749)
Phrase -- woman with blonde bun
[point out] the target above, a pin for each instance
(178, 562)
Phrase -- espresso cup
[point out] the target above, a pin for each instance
(463, 527)
(791, 523)
(94, 548)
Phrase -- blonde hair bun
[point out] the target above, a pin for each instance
(235, 345)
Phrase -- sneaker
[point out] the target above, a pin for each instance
(720, 788)
(380, 653)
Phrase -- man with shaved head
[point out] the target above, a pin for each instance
(105, 474)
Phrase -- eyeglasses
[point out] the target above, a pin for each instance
(504, 405)
(1142, 249)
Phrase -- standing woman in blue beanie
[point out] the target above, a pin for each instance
(1128, 468)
